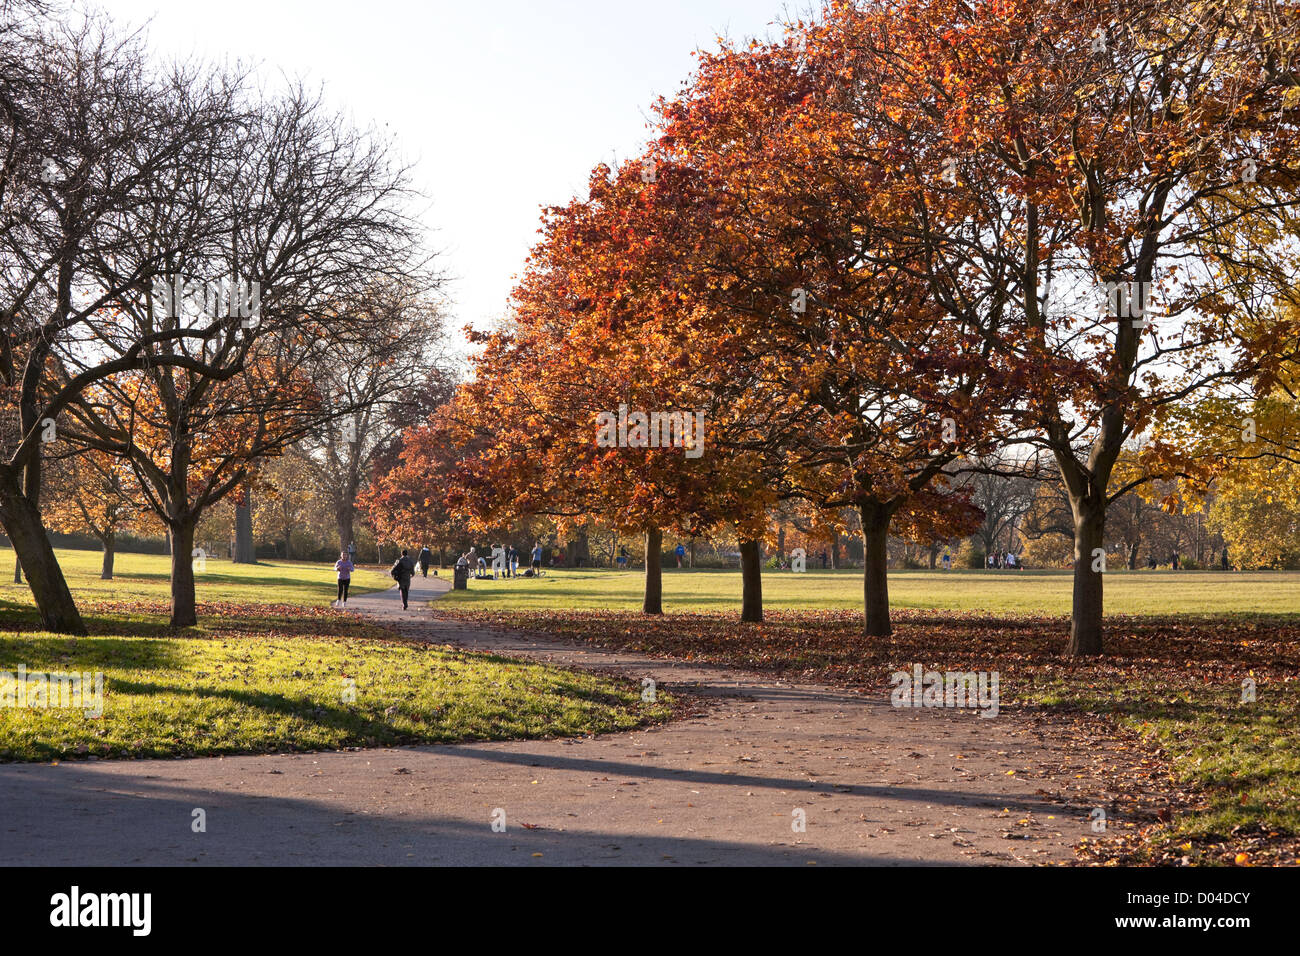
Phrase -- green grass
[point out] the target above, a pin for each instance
(997, 592)
(146, 577)
(271, 669)
(1242, 758)
(226, 695)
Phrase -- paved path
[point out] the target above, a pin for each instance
(874, 785)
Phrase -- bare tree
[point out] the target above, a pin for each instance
(291, 221)
(383, 387)
(85, 137)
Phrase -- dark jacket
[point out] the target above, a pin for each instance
(403, 568)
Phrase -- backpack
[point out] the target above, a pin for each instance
(393, 571)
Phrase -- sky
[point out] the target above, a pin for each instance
(503, 107)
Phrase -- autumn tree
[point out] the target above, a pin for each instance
(94, 492)
(814, 266)
(1141, 161)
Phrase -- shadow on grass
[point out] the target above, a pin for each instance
(59, 653)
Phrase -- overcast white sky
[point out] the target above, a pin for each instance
(504, 106)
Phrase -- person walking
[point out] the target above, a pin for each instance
(622, 558)
(344, 568)
(512, 562)
(403, 570)
(680, 552)
(426, 559)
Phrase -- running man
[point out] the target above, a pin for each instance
(402, 571)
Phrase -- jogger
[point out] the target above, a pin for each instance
(403, 570)
(344, 567)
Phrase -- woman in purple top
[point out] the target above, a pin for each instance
(344, 567)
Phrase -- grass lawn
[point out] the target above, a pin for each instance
(272, 668)
(1180, 645)
(1030, 592)
(145, 577)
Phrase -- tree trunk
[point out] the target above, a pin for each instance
(22, 523)
(18, 570)
(580, 550)
(654, 577)
(106, 568)
(751, 577)
(692, 553)
(344, 515)
(184, 613)
(1086, 617)
(1133, 556)
(934, 555)
(835, 551)
(244, 553)
(875, 569)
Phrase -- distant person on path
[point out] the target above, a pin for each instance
(947, 559)
(352, 552)
(1173, 561)
(1012, 563)
(1224, 559)
(512, 561)
(621, 560)
(680, 552)
(403, 570)
(426, 559)
(537, 558)
(344, 567)
(498, 561)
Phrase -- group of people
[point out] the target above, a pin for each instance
(402, 571)
(999, 561)
(505, 562)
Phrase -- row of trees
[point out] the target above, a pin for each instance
(195, 275)
(889, 244)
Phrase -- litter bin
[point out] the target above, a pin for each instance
(460, 579)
